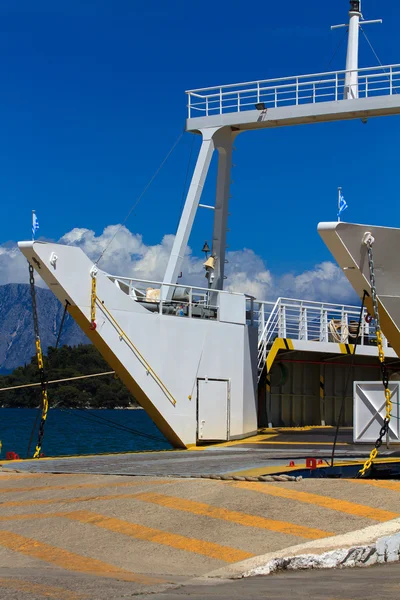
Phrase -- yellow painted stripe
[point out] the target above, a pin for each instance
(383, 484)
(22, 476)
(258, 439)
(307, 428)
(279, 344)
(346, 348)
(344, 506)
(305, 443)
(321, 387)
(79, 486)
(173, 540)
(241, 518)
(69, 560)
(78, 456)
(47, 591)
(41, 501)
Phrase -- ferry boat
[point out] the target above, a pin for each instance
(211, 365)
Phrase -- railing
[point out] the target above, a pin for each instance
(291, 91)
(312, 322)
(187, 301)
(286, 318)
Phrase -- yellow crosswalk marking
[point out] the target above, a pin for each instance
(69, 560)
(78, 486)
(241, 518)
(383, 484)
(344, 506)
(158, 536)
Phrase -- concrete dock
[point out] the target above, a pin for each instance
(76, 536)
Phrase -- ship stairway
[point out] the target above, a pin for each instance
(288, 325)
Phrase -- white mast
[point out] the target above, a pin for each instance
(351, 79)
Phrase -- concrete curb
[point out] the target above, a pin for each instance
(372, 545)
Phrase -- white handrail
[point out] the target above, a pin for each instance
(296, 90)
(342, 72)
(312, 321)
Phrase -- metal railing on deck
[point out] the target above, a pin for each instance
(312, 322)
(186, 301)
(291, 91)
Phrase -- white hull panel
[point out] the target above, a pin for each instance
(180, 351)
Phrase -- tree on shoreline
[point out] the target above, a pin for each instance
(61, 363)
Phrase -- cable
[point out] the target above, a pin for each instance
(349, 372)
(62, 323)
(337, 49)
(376, 56)
(141, 196)
(371, 46)
(186, 179)
(112, 424)
(335, 52)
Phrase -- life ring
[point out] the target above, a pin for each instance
(284, 374)
(368, 318)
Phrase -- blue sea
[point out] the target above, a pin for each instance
(73, 431)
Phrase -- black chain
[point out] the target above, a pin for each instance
(33, 297)
(384, 430)
(39, 356)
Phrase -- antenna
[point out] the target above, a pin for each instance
(356, 20)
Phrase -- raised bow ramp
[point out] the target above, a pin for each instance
(345, 241)
(193, 370)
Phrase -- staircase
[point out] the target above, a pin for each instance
(312, 323)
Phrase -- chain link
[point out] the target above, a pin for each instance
(93, 296)
(39, 357)
(384, 372)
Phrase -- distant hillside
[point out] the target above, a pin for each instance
(97, 392)
(17, 345)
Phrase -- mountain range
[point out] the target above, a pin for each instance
(17, 341)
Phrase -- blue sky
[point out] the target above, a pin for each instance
(92, 98)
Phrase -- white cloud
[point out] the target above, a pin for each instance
(128, 255)
(13, 266)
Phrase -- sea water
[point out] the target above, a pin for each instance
(74, 431)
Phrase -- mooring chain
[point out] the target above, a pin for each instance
(93, 297)
(369, 240)
(39, 356)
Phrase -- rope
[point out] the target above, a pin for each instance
(29, 385)
(349, 372)
(344, 334)
(272, 478)
(141, 196)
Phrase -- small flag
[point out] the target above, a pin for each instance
(342, 204)
(35, 224)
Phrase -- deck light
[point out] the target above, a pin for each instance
(355, 6)
(260, 106)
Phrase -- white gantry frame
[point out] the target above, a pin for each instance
(220, 113)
